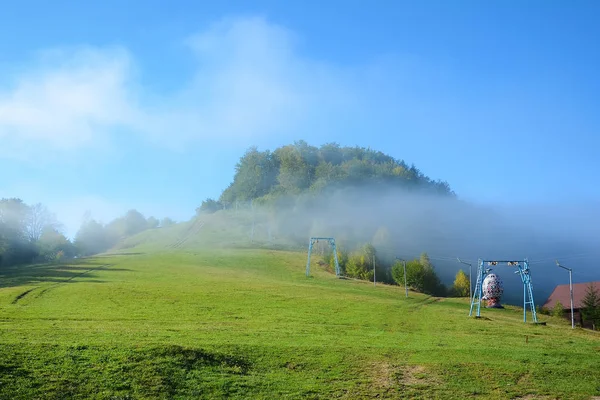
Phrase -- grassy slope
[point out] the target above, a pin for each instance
(247, 323)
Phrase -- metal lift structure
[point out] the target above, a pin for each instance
(522, 270)
(331, 241)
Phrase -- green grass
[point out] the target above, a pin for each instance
(247, 323)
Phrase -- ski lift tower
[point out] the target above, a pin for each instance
(331, 241)
(522, 270)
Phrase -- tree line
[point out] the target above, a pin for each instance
(301, 168)
(364, 263)
(31, 233)
(94, 237)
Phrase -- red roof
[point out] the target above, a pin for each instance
(561, 293)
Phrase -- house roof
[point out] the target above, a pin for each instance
(561, 293)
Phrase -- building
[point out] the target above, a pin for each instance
(561, 293)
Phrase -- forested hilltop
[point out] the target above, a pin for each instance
(299, 190)
(300, 168)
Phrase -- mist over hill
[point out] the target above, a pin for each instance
(359, 196)
(355, 194)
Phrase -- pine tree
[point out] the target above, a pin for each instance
(591, 305)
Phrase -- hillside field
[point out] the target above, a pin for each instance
(178, 323)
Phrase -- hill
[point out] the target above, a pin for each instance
(445, 229)
(362, 196)
(190, 321)
(301, 168)
(278, 199)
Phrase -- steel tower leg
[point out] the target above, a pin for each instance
(310, 246)
(335, 257)
(478, 290)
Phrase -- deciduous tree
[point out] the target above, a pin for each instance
(462, 285)
(152, 223)
(558, 310)
(166, 221)
(420, 276)
(39, 218)
(209, 206)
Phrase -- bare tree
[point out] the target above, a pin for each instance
(38, 219)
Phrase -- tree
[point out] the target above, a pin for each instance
(135, 222)
(327, 174)
(255, 175)
(115, 230)
(22, 228)
(558, 310)
(14, 243)
(360, 263)
(294, 171)
(425, 261)
(13, 214)
(209, 206)
(152, 223)
(300, 167)
(431, 282)
(342, 256)
(462, 285)
(39, 218)
(591, 305)
(398, 272)
(92, 238)
(53, 243)
(166, 222)
(420, 276)
(415, 276)
(331, 153)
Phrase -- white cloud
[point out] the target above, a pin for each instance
(68, 101)
(249, 83)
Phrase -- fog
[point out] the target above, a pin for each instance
(447, 228)
(404, 223)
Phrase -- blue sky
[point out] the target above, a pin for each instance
(109, 107)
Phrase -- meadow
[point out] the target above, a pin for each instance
(179, 322)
